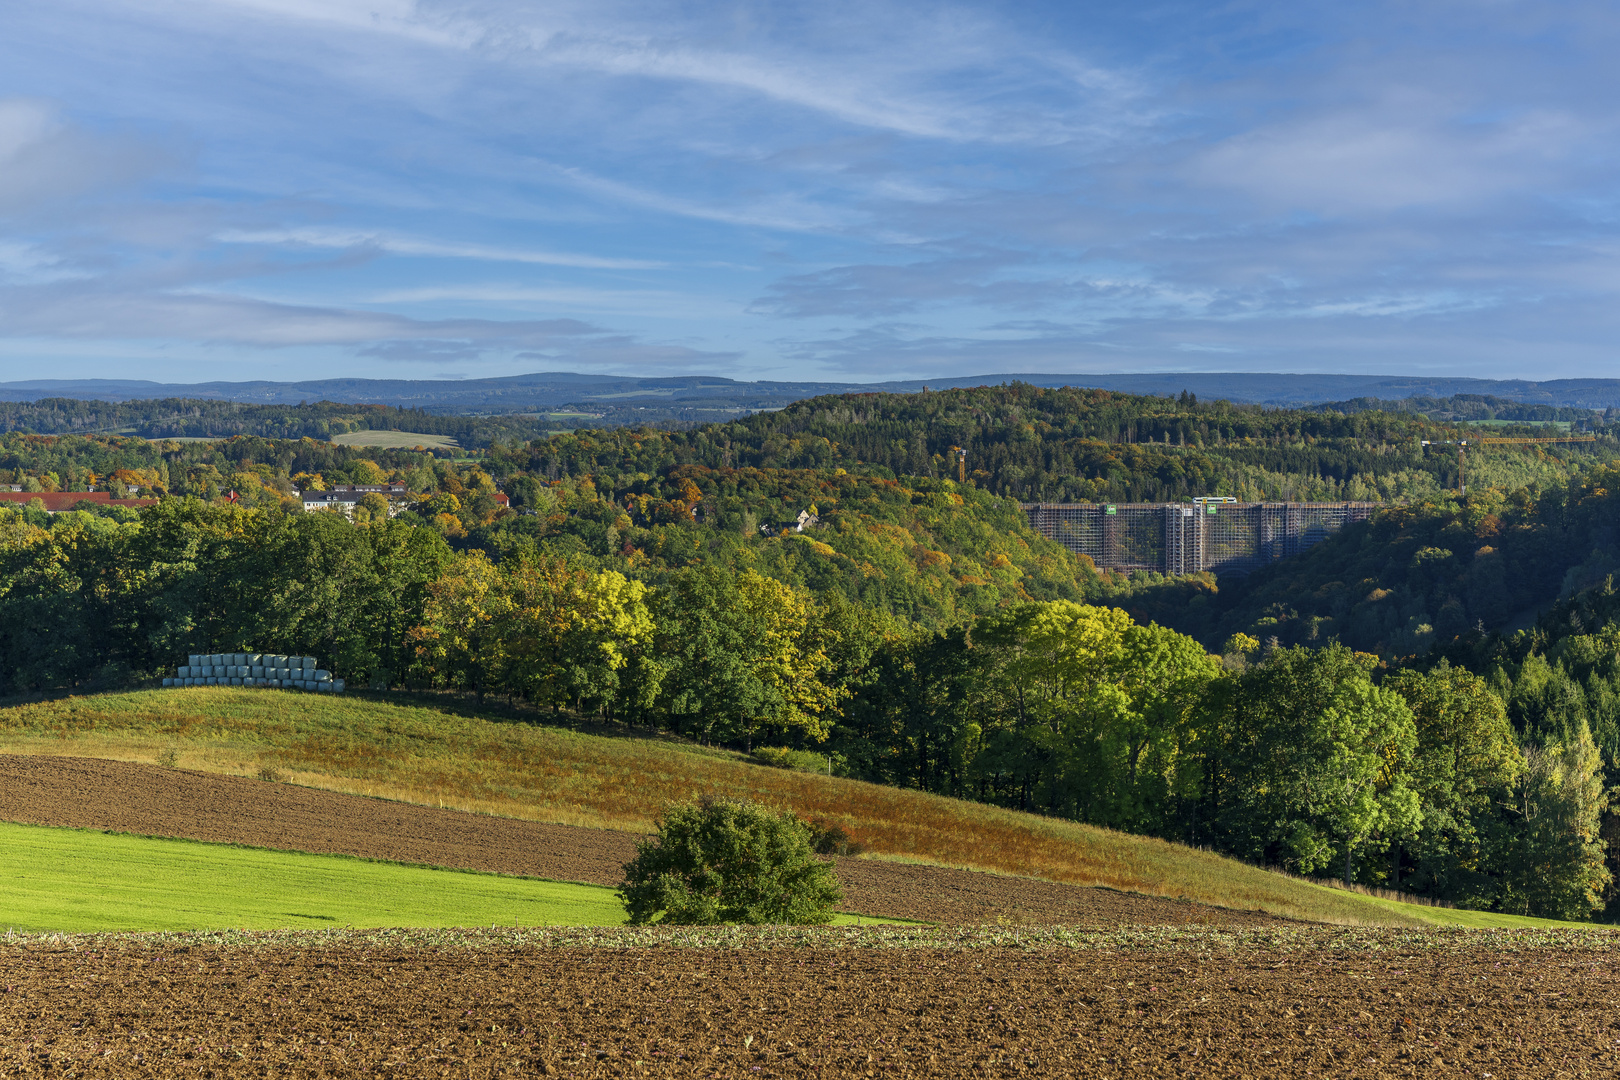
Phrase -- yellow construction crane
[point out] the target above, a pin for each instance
(1501, 440)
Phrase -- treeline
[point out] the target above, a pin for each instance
(1473, 407)
(1022, 442)
(201, 418)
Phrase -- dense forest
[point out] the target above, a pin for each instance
(1429, 701)
(1474, 408)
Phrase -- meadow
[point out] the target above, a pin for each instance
(439, 755)
(77, 880)
(394, 440)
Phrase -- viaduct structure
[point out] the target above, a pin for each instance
(1217, 534)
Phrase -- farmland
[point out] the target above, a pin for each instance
(394, 439)
(146, 800)
(434, 756)
(826, 1003)
(1019, 977)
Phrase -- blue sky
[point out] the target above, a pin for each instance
(290, 189)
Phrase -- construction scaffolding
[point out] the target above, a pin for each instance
(1222, 535)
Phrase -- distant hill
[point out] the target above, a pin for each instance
(552, 390)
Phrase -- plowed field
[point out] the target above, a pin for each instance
(153, 801)
(1316, 1002)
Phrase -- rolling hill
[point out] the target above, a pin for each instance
(435, 755)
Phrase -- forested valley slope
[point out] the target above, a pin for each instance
(821, 587)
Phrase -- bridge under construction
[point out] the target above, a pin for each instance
(1222, 535)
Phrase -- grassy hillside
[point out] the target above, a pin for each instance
(430, 755)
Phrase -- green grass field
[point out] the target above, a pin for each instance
(393, 439)
(79, 881)
(437, 755)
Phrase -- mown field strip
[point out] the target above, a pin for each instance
(81, 880)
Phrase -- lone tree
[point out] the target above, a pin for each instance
(728, 861)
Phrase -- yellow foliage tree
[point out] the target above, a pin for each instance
(460, 639)
(569, 632)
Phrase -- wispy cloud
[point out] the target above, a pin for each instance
(784, 212)
(356, 239)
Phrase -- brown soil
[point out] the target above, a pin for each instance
(153, 1008)
(154, 801)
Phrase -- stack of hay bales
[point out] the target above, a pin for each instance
(255, 669)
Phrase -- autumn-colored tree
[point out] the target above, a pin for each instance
(460, 641)
(569, 632)
(1547, 844)
(743, 654)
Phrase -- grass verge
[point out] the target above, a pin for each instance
(437, 757)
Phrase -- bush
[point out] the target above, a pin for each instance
(781, 757)
(728, 861)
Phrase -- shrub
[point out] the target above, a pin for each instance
(781, 757)
(728, 861)
(830, 839)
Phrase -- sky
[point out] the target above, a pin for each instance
(193, 190)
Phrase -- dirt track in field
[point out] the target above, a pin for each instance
(163, 1009)
(154, 801)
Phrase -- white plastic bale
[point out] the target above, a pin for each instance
(337, 685)
(254, 659)
(192, 660)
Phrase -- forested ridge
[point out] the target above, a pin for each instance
(816, 585)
